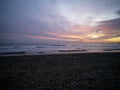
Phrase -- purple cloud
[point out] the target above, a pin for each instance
(118, 12)
(111, 24)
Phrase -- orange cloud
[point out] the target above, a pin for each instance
(66, 36)
(71, 37)
(81, 29)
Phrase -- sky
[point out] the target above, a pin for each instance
(45, 21)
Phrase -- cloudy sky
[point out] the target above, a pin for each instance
(33, 21)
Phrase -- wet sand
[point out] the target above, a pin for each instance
(86, 71)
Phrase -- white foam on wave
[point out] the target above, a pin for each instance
(57, 49)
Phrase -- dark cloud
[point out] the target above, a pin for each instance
(111, 24)
(118, 12)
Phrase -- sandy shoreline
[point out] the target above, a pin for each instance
(99, 71)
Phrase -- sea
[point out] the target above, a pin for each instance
(42, 49)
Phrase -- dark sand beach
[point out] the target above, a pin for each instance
(86, 71)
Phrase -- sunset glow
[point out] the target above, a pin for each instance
(116, 39)
(60, 20)
(96, 35)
